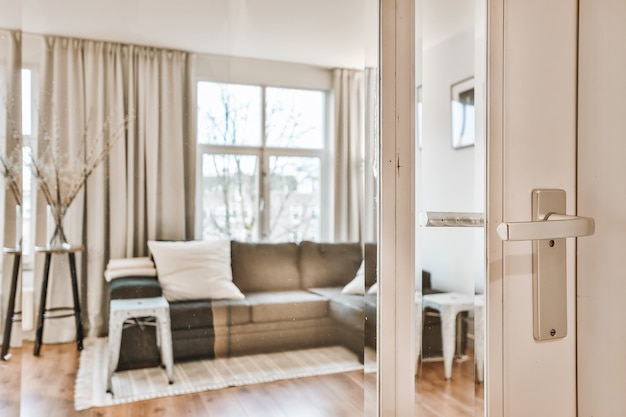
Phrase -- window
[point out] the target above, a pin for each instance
(262, 153)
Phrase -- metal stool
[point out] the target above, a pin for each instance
(138, 308)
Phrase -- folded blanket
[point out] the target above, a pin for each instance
(126, 263)
(129, 272)
(125, 267)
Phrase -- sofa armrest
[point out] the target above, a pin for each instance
(134, 287)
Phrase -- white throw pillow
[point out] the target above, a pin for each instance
(195, 270)
(373, 289)
(357, 285)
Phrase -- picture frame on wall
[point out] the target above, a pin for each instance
(462, 113)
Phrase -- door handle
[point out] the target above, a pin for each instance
(548, 231)
(551, 226)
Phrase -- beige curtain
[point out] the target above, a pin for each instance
(371, 168)
(141, 191)
(348, 88)
(10, 120)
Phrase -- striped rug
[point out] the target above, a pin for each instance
(197, 376)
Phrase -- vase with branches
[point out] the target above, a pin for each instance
(61, 176)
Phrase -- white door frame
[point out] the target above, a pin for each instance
(531, 119)
(396, 255)
(494, 384)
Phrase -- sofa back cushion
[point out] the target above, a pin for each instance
(371, 260)
(328, 264)
(265, 266)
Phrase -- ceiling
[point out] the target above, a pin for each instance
(329, 33)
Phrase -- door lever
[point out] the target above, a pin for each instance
(548, 231)
(552, 226)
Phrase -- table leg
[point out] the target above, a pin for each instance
(8, 323)
(167, 357)
(42, 304)
(448, 335)
(116, 325)
(479, 342)
(418, 330)
(77, 312)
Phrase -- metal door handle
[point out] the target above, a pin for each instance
(548, 231)
(552, 226)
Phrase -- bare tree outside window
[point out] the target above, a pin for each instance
(261, 181)
(295, 196)
(230, 197)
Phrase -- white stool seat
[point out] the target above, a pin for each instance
(124, 309)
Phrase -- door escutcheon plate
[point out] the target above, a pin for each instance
(549, 272)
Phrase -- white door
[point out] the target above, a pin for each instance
(601, 191)
(553, 124)
(532, 145)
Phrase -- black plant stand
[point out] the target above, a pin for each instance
(59, 312)
(12, 316)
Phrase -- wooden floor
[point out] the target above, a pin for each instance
(47, 390)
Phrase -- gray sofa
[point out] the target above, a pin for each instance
(293, 299)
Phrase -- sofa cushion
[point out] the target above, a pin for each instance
(275, 336)
(357, 285)
(191, 314)
(286, 305)
(265, 266)
(328, 265)
(347, 309)
(370, 320)
(371, 260)
(193, 344)
(134, 287)
(370, 302)
(194, 270)
(231, 312)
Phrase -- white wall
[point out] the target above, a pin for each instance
(10, 14)
(327, 33)
(447, 174)
(283, 74)
(601, 174)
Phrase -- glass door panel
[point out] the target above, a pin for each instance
(450, 137)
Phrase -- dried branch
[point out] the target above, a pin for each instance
(12, 173)
(61, 177)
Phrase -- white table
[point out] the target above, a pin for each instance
(449, 304)
(479, 336)
(124, 309)
(418, 329)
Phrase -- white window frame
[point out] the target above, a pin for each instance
(264, 153)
